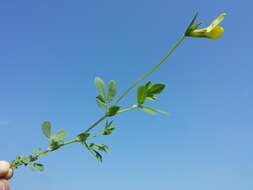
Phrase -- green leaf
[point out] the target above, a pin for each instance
(108, 129)
(141, 94)
(60, 135)
(148, 85)
(100, 147)
(39, 152)
(101, 102)
(26, 159)
(46, 129)
(113, 110)
(93, 151)
(97, 155)
(151, 97)
(153, 111)
(148, 111)
(112, 90)
(156, 89)
(101, 87)
(57, 140)
(55, 144)
(36, 166)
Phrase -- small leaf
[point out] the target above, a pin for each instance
(141, 94)
(151, 97)
(101, 87)
(26, 159)
(148, 85)
(57, 140)
(113, 110)
(148, 110)
(46, 129)
(153, 111)
(37, 166)
(112, 90)
(60, 135)
(93, 152)
(100, 147)
(55, 144)
(156, 89)
(101, 102)
(97, 155)
(108, 129)
(39, 152)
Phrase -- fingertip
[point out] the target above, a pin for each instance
(4, 168)
(9, 174)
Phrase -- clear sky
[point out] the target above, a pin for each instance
(50, 52)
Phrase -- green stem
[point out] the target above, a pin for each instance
(14, 165)
(70, 142)
(134, 84)
(96, 123)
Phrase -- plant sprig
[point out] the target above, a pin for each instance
(106, 100)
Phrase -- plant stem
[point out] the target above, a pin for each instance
(135, 106)
(70, 142)
(96, 123)
(134, 84)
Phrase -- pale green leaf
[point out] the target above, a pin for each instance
(101, 87)
(112, 90)
(46, 129)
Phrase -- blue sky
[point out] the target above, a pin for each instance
(50, 52)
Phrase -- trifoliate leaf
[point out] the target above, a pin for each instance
(93, 151)
(108, 129)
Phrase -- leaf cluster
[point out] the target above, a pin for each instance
(56, 140)
(106, 96)
(28, 161)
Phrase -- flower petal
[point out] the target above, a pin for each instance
(216, 22)
(215, 33)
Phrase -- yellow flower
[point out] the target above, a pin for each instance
(213, 31)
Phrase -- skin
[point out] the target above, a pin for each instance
(5, 174)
